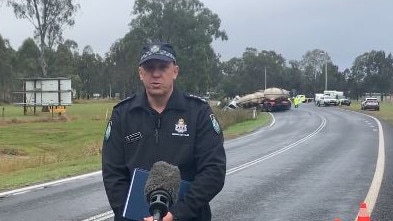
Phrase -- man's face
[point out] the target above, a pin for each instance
(158, 76)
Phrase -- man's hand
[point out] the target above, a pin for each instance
(168, 217)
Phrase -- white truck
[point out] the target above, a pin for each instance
(317, 98)
(326, 100)
(334, 94)
(339, 95)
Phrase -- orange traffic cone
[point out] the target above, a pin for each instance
(363, 214)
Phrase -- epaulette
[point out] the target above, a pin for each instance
(125, 100)
(195, 97)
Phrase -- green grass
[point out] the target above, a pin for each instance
(37, 148)
(385, 113)
(49, 172)
(248, 126)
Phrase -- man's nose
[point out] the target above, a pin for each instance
(156, 73)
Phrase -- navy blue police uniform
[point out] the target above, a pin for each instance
(185, 134)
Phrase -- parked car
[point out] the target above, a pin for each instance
(317, 98)
(327, 101)
(370, 103)
(344, 101)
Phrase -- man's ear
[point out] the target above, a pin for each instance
(176, 72)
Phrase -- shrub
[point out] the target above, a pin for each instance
(230, 117)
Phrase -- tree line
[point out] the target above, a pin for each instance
(371, 72)
(191, 28)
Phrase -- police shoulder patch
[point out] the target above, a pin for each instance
(196, 97)
(216, 125)
(108, 130)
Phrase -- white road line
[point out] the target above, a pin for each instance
(44, 185)
(58, 182)
(109, 214)
(282, 150)
(251, 163)
(22, 192)
(273, 121)
(376, 183)
(372, 194)
(101, 217)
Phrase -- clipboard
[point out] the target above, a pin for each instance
(136, 207)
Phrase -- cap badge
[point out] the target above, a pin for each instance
(154, 49)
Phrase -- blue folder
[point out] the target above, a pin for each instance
(137, 207)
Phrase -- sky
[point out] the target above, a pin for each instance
(344, 29)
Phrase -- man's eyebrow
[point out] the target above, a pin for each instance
(157, 63)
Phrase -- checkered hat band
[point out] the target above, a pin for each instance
(160, 52)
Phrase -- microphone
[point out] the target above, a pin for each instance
(162, 188)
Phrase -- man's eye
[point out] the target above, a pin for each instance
(152, 68)
(162, 67)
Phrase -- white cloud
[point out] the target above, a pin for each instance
(345, 29)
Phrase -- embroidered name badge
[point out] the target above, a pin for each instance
(133, 137)
(181, 128)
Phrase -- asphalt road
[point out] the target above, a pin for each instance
(312, 164)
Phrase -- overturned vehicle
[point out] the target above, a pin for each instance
(270, 99)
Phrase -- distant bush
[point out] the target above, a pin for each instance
(230, 117)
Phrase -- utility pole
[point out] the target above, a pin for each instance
(326, 61)
(265, 78)
(110, 91)
(326, 75)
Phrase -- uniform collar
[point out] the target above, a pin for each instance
(176, 100)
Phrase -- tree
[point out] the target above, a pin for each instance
(122, 64)
(336, 78)
(6, 70)
(373, 71)
(230, 85)
(191, 28)
(28, 59)
(65, 59)
(90, 71)
(48, 18)
(294, 78)
(275, 67)
(246, 74)
(313, 66)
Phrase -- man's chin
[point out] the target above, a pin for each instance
(156, 92)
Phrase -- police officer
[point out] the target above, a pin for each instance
(162, 123)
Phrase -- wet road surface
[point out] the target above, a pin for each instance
(311, 164)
